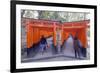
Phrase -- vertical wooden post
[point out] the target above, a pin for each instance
(62, 38)
(83, 37)
(54, 34)
(29, 36)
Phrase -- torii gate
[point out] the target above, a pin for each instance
(37, 28)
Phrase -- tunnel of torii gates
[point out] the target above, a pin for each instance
(38, 28)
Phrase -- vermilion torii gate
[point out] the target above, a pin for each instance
(36, 28)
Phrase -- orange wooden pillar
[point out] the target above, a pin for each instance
(83, 37)
(29, 35)
(62, 35)
(32, 35)
(54, 34)
(35, 34)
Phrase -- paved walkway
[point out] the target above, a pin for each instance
(66, 55)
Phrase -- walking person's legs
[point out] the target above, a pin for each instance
(79, 53)
(75, 53)
(43, 48)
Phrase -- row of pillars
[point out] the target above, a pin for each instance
(64, 34)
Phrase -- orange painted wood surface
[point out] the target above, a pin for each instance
(36, 29)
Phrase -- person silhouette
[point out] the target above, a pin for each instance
(76, 47)
(43, 44)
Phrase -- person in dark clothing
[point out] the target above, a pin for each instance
(43, 44)
(83, 51)
(76, 47)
